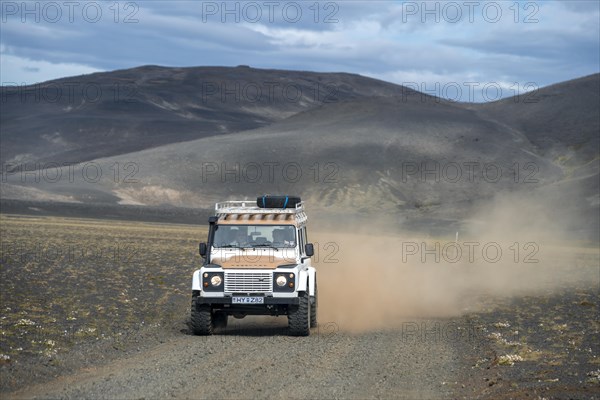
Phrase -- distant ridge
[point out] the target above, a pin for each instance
(109, 113)
(375, 147)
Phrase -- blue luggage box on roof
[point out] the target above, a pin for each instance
(269, 201)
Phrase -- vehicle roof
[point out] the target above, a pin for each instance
(258, 219)
(246, 212)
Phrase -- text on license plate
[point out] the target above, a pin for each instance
(247, 300)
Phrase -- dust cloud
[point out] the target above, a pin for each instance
(513, 245)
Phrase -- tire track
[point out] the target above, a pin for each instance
(251, 359)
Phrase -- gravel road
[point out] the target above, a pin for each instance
(124, 335)
(255, 359)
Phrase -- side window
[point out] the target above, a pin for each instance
(301, 240)
(302, 233)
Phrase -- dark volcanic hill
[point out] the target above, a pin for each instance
(363, 154)
(104, 114)
(374, 147)
(560, 120)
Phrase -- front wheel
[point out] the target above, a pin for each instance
(201, 321)
(299, 317)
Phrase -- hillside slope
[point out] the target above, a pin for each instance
(413, 157)
(81, 118)
(562, 120)
(347, 153)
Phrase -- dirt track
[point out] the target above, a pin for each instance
(406, 333)
(251, 360)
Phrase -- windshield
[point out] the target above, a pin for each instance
(278, 236)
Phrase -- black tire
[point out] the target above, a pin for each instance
(299, 317)
(220, 320)
(314, 304)
(201, 321)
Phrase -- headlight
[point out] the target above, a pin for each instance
(281, 281)
(215, 280)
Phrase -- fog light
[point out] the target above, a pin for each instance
(281, 281)
(215, 280)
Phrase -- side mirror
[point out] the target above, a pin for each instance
(309, 249)
(202, 249)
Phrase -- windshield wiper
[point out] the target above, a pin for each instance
(265, 245)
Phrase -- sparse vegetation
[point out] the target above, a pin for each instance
(549, 342)
(65, 281)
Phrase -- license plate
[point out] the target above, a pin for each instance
(248, 300)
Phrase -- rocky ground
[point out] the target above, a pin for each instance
(98, 309)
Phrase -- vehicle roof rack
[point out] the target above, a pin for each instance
(249, 208)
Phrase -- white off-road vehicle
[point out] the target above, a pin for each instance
(256, 262)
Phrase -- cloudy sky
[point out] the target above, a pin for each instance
(437, 45)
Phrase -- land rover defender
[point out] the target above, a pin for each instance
(257, 261)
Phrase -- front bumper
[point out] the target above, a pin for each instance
(268, 301)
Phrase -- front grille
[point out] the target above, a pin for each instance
(248, 282)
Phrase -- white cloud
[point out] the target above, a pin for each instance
(468, 86)
(382, 38)
(15, 70)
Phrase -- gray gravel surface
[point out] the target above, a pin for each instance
(253, 358)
